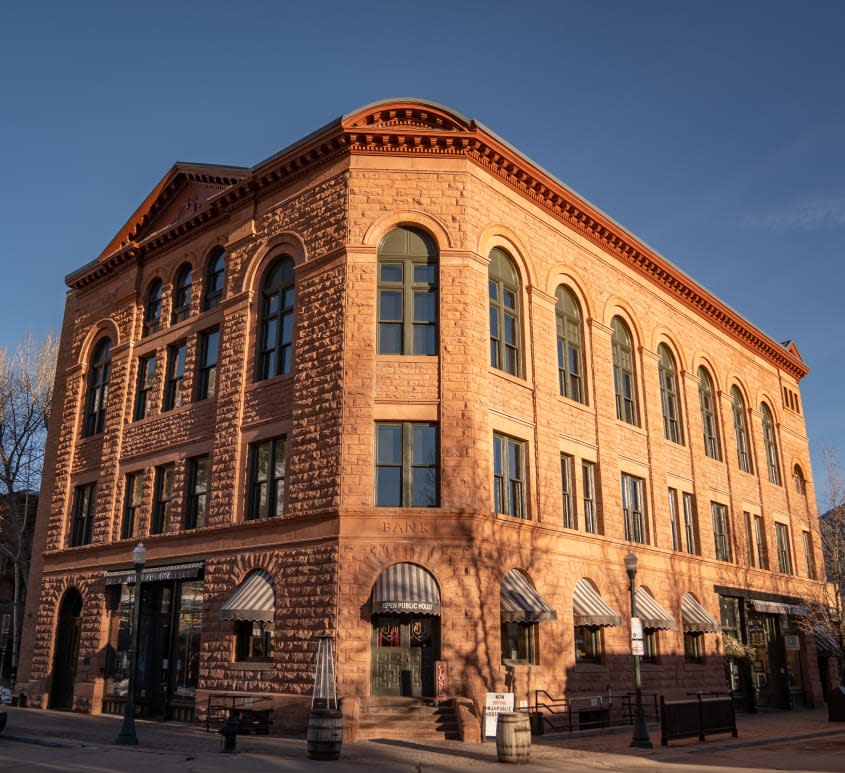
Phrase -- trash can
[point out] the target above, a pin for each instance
(536, 720)
(836, 704)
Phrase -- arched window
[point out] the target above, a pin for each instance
(503, 285)
(276, 325)
(669, 395)
(623, 372)
(182, 293)
(152, 310)
(569, 351)
(214, 278)
(799, 480)
(740, 428)
(98, 389)
(407, 293)
(770, 445)
(709, 425)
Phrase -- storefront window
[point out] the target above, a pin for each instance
(588, 647)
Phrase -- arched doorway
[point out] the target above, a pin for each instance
(405, 615)
(67, 651)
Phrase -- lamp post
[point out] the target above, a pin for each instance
(127, 729)
(640, 737)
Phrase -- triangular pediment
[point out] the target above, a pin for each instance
(181, 194)
(792, 349)
(396, 115)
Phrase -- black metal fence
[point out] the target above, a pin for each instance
(706, 714)
(567, 715)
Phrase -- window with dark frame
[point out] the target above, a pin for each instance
(174, 394)
(568, 486)
(588, 644)
(182, 292)
(253, 640)
(278, 292)
(267, 461)
(808, 554)
(690, 525)
(165, 476)
(762, 552)
(749, 538)
(674, 519)
(407, 293)
(650, 647)
(82, 525)
(633, 507)
(623, 372)
(782, 539)
(407, 464)
(152, 309)
(98, 389)
(740, 428)
(770, 445)
(519, 643)
(209, 342)
(709, 424)
(146, 381)
(693, 647)
(509, 475)
(132, 498)
(721, 531)
(569, 352)
(505, 333)
(588, 476)
(214, 279)
(196, 500)
(799, 480)
(668, 375)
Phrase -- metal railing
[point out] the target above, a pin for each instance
(569, 714)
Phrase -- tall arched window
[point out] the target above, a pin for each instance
(669, 395)
(214, 278)
(503, 286)
(152, 309)
(770, 445)
(407, 293)
(182, 292)
(709, 425)
(275, 338)
(740, 428)
(569, 351)
(98, 389)
(799, 480)
(623, 372)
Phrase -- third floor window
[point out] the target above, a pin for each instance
(505, 335)
(275, 355)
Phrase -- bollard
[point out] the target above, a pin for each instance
(229, 731)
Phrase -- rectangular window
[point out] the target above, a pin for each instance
(693, 647)
(146, 379)
(649, 646)
(509, 476)
(133, 495)
(163, 498)
(762, 552)
(197, 492)
(82, 525)
(808, 554)
(207, 373)
(519, 643)
(782, 538)
(588, 644)
(749, 538)
(720, 531)
(267, 478)
(173, 390)
(252, 640)
(633, 506)
(591, 524)
(690, 525)
(566, 465)
(407, 466)
(674, 519)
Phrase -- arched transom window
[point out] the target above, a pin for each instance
(275, 353)
(503, 284)
(569, 351)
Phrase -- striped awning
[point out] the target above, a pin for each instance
(405, 589)
(826, 643)
(778, 608)
(696, 618)
(651, 614)
(589, 608)
(253, 600)
(156, 573)
(520, 602)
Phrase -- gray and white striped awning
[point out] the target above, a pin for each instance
(254, 600)
(520, 603)
(826, 643)
(156, 573)
(696, 618)
(651, 613)
(778, 608)
(589, 608)
(405, 589)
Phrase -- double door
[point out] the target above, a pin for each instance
(404, 650)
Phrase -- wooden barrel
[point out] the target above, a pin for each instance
(513, 737)
(325, 734)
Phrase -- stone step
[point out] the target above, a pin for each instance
(407, 718)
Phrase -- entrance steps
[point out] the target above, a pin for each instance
(415, 719)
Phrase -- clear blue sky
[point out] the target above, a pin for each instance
(715, 131)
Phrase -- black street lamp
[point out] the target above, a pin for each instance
(640, 737)
(127, 735)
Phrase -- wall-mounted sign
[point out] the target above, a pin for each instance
(792, 642)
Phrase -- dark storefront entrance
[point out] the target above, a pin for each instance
(168, 648)
(67, 651)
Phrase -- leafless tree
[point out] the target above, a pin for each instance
(26, 386)
(832, 531)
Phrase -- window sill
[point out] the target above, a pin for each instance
(251, 665)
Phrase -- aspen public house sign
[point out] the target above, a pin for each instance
(422, 607)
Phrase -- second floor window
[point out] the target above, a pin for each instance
(808, 555)
(708, 415)
(569, 360)
(214, 279)
(588, 476)
(623, 372)
(505, 335)
(566, 464)
(770, 445)
(407, 293)
(690, 525)
(782, 538)
(633, 508)
(743, 454)
(761, 552)
(267, 461)
(133, 496)
(98, 389)
(196, 501)
(146, 381)
(674, 519)
(509, 476)
(406, 464)
(174, 384)
(182, 294)
(275, 355)
(163, 498)
(721, 532)
(207, 372)
(82, 524)
(669, 395)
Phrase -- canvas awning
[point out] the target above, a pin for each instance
(778, 608)
(826, 643)
(156, 573)
(406, 589)
(520, 603)
(696, 618)
(651, 614)
(589, 608)
(253, 600)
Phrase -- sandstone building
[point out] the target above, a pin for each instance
(399, 384)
